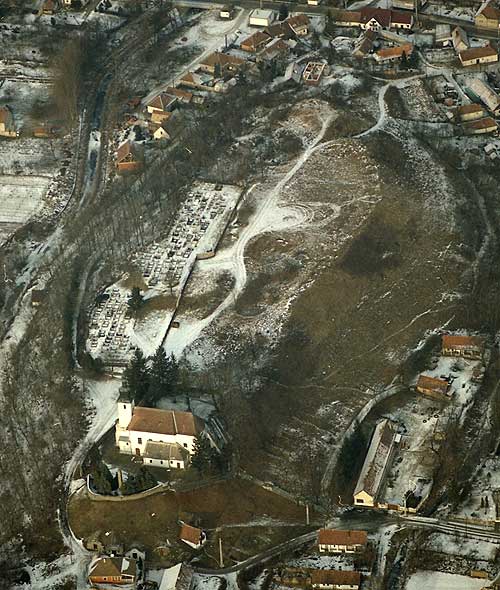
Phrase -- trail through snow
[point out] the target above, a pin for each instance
(177, 341)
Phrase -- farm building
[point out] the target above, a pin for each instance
(486, 94)
(335, 580)
(192, 536)
(7, 126)
(471, 347)
(433, 387)
(113, 570)
(181, 95)
(312, 73)
(334, 541)
(469, 112)
(488, 16)
(481, 126)
(161, 132)
(478, 55)
(377, 461)
(261, 18)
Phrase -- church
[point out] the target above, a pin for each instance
(162, 438)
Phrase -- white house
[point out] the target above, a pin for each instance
(261, 18)
(163, 438)
(336, 541)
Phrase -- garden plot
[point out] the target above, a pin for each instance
(455, 545)
(163, 270)
(420, 103)
(484, 499)
(442, 581)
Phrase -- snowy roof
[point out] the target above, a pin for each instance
(485, 93)
(178, 577)
(336, 537)
(370, 478)
(165, 422)
(262, 13)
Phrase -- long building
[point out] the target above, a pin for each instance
(376, 464)
(486, 94)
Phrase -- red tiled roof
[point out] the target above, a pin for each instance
(190, 534)
(454, 341)
(433, 383)
(335, 577)
(381, 15)
(336, 537)
(165, 422)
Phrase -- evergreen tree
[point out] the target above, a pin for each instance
(159, 375)
(136, 300)
(404, 61)
(173, 376)
(201, 459)
(102, 479)
(136, 376)
(283, 12)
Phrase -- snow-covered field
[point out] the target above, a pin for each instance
(452, 545)
(442, 581)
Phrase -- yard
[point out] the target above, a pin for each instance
(233, 507)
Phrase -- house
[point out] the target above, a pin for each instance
(226, 12)
(364, 44)
(433, 387)
(181, 95)
(192, 536)
(376, 464)
(113, 570)
(276, 50)
(161, 103)
(480, 127)
(220, 64)
(161, 132)
(7, 126)
(313, 2)
(375, 18)
(486, 94)
(299, 24)
(160, 117)
(471, 347)
(335, 541)
(391, 54)
(442, 35)
(261, 18)
(312, 73)
(348, 18)
(459, 39)
(127, 157)
(469, 112)
(49, 7)
(335, 580)
(37, 297)
(255, 42)
(487, 16)
(137, 428)
(178, 577)
(401, 20)
(280, 30)
(478, 55)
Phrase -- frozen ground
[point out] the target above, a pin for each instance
(452, 545)
(442, 581)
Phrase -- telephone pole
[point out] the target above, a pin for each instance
(221, 559)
